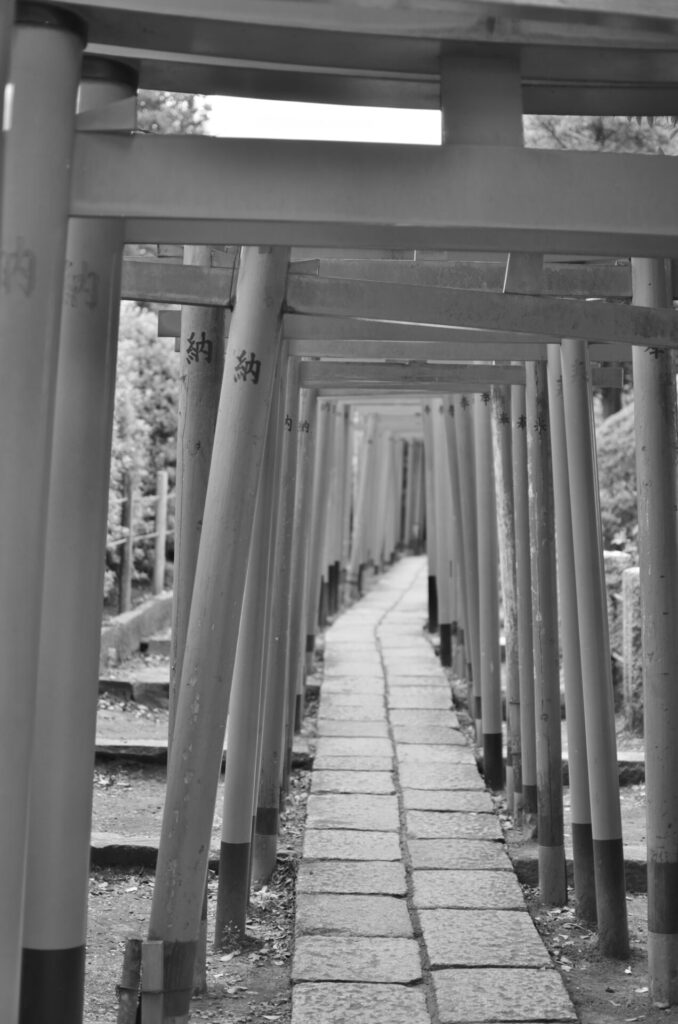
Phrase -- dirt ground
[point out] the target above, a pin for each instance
(253, 983)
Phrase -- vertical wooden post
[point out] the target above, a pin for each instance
(360, 516)
(211, 638)
(321, 477)
(431, 525)
(276, 689)
(580, 803)
(654, 386)
(159, 560)
(296, 623)
(59, 826)
(488, 596)
(459, 546)
(45, 70)
(552, 873)
(463, 422)
(126, 567)
(445, 546)
(201, 367)
(524, 598)
(501, 432)
(601, 744)
(245, 713)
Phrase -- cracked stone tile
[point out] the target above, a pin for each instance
(352, 782)
(328, 762)
(349, 914)
(459, 854)
(385, 878)
(419, 775)
(328, 727)
(507, 995)
(350, 844)
(452, 825)
(350, 1003)
(429, 734)
(448, 800)
(482, 938)
(429, 753)
(367, 812)
(353, 746)
(466, 890)
(356, 958)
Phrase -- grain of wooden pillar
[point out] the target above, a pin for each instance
(55, 912)
(551, 850)
(601, 744)
(276, 689)
(524, 598)
(580, 803)
(45, 71)
(488, 595)
(245, 716)
(211, 639)
(656, 427)
(201, 367)
(296, 623)
(503, 466)
(463, 421)
(361, 513)
(127, 520)
(321, 481)
(431, 525)
(159, 560)
(458, 537)
(445, 546)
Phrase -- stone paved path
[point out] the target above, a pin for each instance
(408, 911)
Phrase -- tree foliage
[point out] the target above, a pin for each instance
(615, 441)
(657, 136)
(171, 113)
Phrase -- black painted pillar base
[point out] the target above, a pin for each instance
(432, 605)
(584, 874)
(446, 644)
(492, 760)
(529, 799)
(232, 893)
(52, 986)
(613, 937)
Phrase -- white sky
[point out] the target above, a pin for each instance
(277, 119)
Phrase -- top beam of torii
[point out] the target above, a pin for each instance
(583, 56)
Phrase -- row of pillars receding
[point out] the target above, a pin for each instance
(258, 525)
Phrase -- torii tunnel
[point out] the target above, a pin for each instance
(430, 307)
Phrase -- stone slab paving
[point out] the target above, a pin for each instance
(385, 878)
(350, 844)
(459, 854)
(353, 746)
(466, 890)
(416, 717)
(330, 1003)
(356, 958)
(353, 782)
(328, 727)
(482, 938)
(328, 762)
(408, 909)
(435, 753)
(507, 995)
(353, 810)
(332, 913)
(447, 800)
(419, 775)
(454, 825)
(429, 734)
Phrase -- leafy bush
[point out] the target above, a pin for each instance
(617, 479)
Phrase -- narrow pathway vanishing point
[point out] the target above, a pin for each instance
(408, 910)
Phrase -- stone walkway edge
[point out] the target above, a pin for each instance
(408, 909)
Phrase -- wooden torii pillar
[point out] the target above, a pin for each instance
(55, 915)
(45, 71)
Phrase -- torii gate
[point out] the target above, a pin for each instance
(483, 62)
